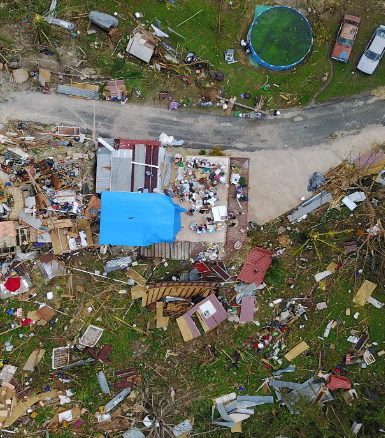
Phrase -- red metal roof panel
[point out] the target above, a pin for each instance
(256, 265)
(124, 143)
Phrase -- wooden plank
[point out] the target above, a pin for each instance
(33, 360)
(141, 281)
(22, 406)
(177, 307)
(161, 320)
(237, 428)
(139, 292)
(150, 296)
(179, 251)
(204, 325)
(156, 295)
(364, 292)
(183, 290)
(184, 329)
(186, 251)
(296, 351)
(59, 241)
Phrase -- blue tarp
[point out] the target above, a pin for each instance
(138, 219)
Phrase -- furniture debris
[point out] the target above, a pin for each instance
(60, 357)
(19, 76)
(103, 383)
(115, 90)
(34, 359)
(234, 409)
(41, 316)
(112, 404)
(91, 336)
(142, 44)
(312, 390)
(156, 291)
(229, 56)
(105, 21)
(210, 314)
(247, 309)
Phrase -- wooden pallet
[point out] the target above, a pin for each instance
(174, 251)
(152, 293)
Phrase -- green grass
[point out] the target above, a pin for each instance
(347, 80)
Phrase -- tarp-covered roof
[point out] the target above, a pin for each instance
(138, 219)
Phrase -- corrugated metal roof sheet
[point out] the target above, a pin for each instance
(139, 171)
(78, 92)
(103, 170)
(121, 168)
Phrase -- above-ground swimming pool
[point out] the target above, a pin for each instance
(279, 37)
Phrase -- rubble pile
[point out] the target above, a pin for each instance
(67, 298)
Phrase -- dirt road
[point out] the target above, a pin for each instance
(284, 151)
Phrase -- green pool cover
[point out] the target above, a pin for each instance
(280, 37)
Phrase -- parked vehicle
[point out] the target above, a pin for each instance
(373, 52)
(345, 39)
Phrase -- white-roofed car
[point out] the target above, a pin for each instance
(373, 52)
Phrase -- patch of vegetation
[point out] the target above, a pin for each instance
(217, 152)
(215, 27)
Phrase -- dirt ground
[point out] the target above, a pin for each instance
(278, 178)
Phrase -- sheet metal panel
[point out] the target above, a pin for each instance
(121, 168)
(78, 92)
(103, 170)
(138, 170)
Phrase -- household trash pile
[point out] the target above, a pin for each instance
(196, 186)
